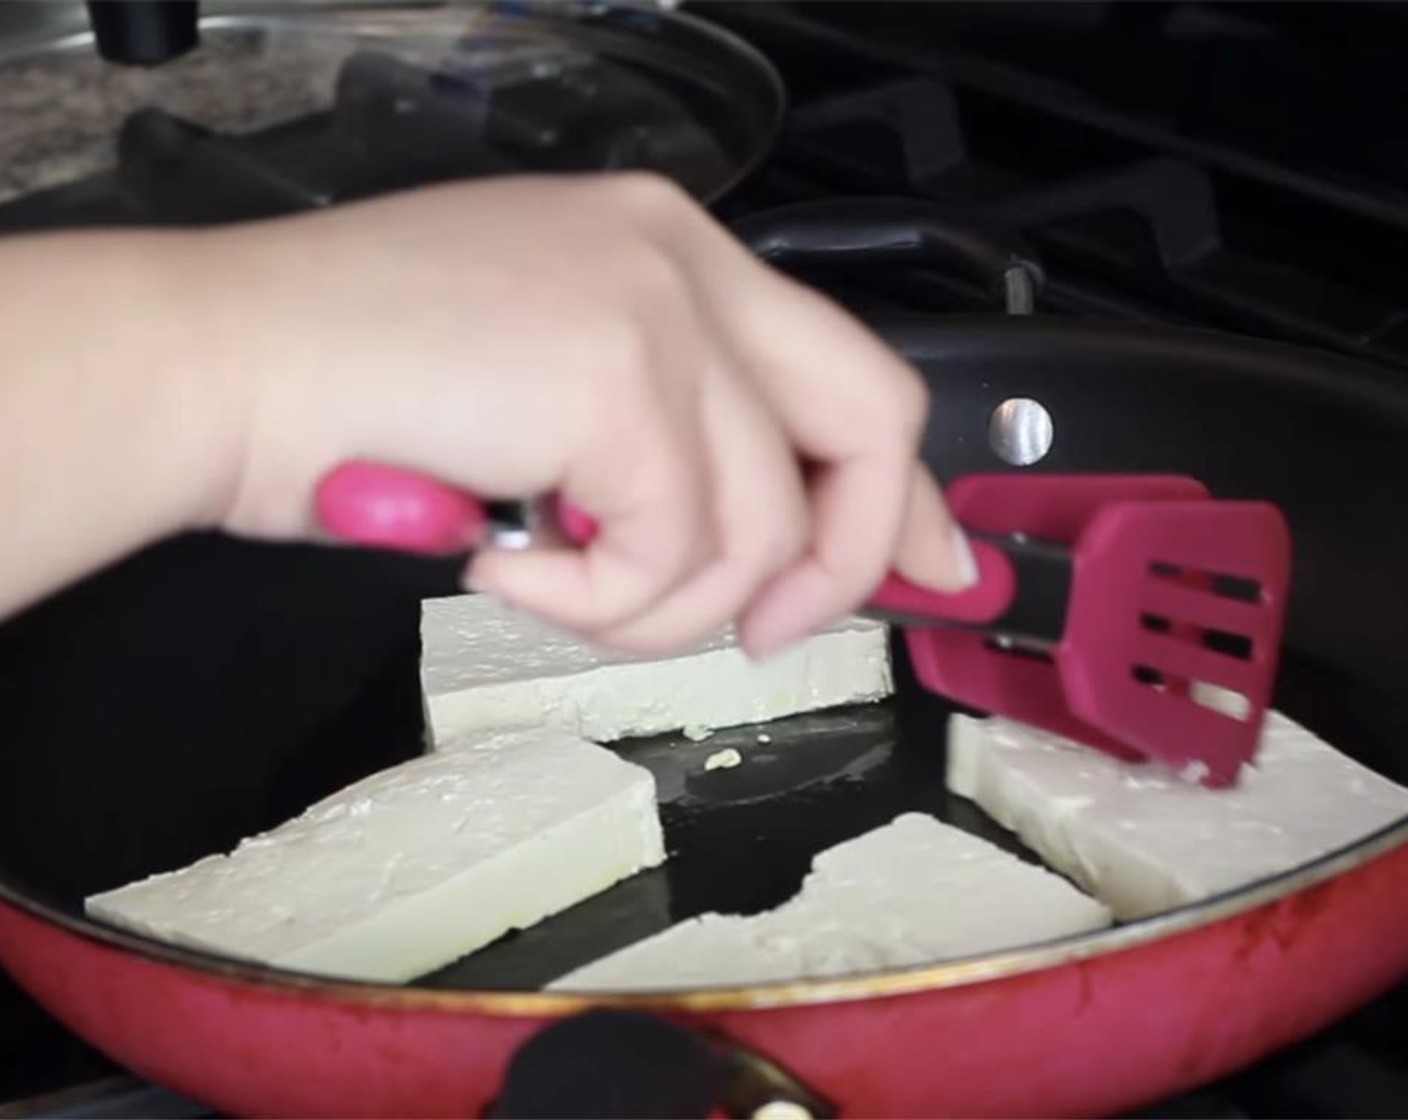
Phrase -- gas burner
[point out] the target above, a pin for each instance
(1135, 217)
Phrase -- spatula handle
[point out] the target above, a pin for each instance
(379, 506)
(1022, 594)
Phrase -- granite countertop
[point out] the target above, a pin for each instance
(61, 105)
(60, 111)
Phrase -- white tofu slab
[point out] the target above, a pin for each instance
(409, 869)
(913, 892)
(1144, 840)
(485, 666)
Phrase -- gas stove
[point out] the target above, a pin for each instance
(1218, 166)
(1169, 161)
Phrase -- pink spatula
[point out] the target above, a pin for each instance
(1133, 613)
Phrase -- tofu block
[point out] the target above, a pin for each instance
(485, 666)
(1144, 840)
(411, 868)
(912, 892)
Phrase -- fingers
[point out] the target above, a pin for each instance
(856, 510)
(784, 379)
(648, 486)
(849, 555)
(761, 516)
(739, 380)
(857, 412)
(931, 549)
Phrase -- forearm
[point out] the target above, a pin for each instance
(115, 422)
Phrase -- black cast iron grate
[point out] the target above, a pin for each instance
(1135, 217)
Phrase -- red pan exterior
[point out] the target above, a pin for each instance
(1080, 1038)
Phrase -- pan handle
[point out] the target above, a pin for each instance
(625, 1064)
(890, 232)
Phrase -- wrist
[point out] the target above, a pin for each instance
(204, 382)
(116, 427)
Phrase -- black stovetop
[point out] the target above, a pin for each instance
(1220, 165)
(1227, 166)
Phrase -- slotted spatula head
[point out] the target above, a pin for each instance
(1173, 628)
(1174, 631)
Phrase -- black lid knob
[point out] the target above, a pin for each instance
(144, 32)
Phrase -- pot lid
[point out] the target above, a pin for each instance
(284, 108)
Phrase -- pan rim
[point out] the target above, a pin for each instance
(802, 992)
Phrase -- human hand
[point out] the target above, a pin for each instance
(748, 450)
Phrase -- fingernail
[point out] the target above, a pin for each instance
(963, 556)
(473, 581)
(770, 647)
(763, 643)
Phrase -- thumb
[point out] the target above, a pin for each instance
(931, 549)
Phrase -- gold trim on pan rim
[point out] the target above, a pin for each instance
(795, 993)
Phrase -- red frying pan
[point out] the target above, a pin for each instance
(1088, 1025)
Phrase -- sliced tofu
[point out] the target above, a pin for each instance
(1142, 839)
(913, 892)
(413, 867)
(485, 666)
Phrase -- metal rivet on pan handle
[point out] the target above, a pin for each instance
(1020, 430)
(619, 1063)
(782, 1110)
(1019, 290)
(760, 1089)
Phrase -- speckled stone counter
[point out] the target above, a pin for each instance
(61, 108)
(61, 105)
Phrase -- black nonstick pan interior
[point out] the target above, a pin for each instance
(136, 742)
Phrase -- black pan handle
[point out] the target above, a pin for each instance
(622, 1065)
(889, 232)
